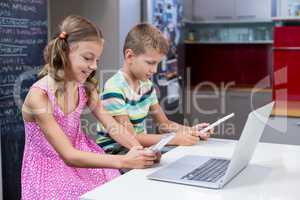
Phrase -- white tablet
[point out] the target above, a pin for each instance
(163, 142)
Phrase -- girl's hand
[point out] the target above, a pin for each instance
(138, 158)
(157, 154)
(197, 128)
(158, 157)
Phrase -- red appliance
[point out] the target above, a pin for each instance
(286, 64)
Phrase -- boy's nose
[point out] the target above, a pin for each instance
(154, 69)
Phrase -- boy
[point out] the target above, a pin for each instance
(129, 95)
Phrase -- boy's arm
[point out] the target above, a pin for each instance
(186, 135)
(114, 101)
(144, 139)
(118, 132)
(165, 125)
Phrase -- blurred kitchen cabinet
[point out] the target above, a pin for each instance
(242, 102)
(238, 103)
(244, 64)
(286, 63)
(253, 10)
(213, 9)
(208, 106)
(283, 130)
(230, 10)
(201, 106)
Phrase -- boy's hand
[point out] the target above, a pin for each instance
(185, 139)
(197, 128)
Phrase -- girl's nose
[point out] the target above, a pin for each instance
(93, 66)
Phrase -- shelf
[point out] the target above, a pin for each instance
(230, 42)
(296, 19)
(236, 88)
(227, 21)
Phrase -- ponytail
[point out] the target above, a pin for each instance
(55, 55)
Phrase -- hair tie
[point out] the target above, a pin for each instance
(63, 35)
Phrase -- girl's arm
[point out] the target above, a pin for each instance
(144, 138)
(120, 133)
(38, 104)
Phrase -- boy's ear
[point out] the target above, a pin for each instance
(128, 54)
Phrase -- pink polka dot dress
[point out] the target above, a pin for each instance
(44, 174)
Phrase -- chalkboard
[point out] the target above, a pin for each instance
(23, 36)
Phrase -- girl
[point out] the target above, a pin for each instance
(60, 161)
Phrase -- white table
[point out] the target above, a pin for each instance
(273, 174)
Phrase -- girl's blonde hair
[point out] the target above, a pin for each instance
(144, 37)
(72, 29)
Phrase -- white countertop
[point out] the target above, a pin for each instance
(273, 174)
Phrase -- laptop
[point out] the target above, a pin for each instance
(215, 172)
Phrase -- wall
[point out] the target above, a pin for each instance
(130, 15)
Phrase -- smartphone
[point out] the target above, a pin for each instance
(163, 142)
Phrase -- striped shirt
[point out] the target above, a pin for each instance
(120, 99)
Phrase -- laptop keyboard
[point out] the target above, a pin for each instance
(210, 171)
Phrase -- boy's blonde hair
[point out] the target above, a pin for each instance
(144, 37)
